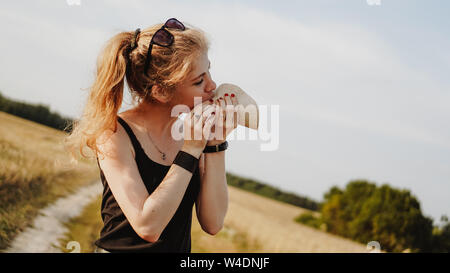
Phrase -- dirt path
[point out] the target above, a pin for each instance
(48, 228)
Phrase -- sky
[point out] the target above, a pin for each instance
(355, 91)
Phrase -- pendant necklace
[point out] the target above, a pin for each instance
(151, 140)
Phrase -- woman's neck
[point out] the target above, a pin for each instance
(156, 118)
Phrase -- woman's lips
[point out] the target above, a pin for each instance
(209, 97)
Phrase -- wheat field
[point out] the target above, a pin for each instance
(256, 223)
(35, 170)
(253, 224)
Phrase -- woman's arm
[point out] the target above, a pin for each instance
(212, 202)
(147, 214)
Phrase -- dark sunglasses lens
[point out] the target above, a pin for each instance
(162, 38)
(174, 23)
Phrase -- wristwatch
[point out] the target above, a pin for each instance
(216, 148)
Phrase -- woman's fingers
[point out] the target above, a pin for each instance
(200, 117)
(208, 110)
(224, 121)
(235, 102)
(194, 114)
(220, 129)
(209, 123)
(227, 99)
(199, 112)
(230, 113)
(222, 104)
(234, 99)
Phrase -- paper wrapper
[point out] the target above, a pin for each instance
(247, 109)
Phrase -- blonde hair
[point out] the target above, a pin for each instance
(169, 67)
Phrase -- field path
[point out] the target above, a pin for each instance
(48, 227)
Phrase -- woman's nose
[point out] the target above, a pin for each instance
(211, 86)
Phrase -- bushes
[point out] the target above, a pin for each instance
(393, 217)
(441, 237)
(310, 220)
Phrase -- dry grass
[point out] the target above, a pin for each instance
(253, 224)
(34, 171)
(258, 224)
(85, 228)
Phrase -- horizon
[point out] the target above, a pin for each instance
(362, 89)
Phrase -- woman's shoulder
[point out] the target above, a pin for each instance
(132, 120)
(116, 142)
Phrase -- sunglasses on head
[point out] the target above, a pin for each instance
(162, 37)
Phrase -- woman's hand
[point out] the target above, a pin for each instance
(197, 128)
(226, 120)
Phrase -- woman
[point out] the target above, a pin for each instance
(152, 179)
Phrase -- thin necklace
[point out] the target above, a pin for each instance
(151, 140)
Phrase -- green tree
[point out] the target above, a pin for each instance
(441, 237)
(365, 212)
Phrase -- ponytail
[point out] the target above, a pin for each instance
(123, 59)
(105, 97)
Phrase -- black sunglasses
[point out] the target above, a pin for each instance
(162, 37)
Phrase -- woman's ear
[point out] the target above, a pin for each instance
(159, 95)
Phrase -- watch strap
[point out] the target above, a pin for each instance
(186, 161)
(216, 148)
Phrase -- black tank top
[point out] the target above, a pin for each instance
(117, 235)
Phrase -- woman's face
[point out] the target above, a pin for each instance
(199, 84)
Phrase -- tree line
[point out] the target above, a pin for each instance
(272, 192)
(361, 211)
(39, 113)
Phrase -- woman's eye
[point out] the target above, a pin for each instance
(198, 83)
